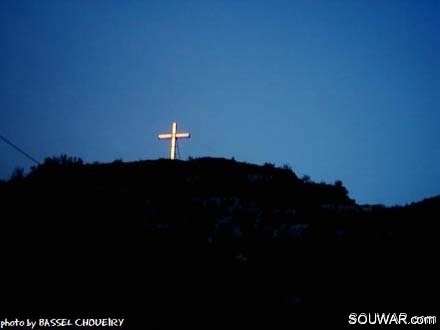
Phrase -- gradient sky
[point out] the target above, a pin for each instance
(345, 90)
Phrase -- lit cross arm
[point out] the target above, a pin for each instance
(164, 136)
(167, 136)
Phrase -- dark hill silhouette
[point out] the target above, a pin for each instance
(208, 234)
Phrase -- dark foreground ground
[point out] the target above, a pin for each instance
(91, 251)
(161, 278)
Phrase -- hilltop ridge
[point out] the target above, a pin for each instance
(260, 236)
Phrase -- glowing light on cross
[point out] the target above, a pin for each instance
(174, 136)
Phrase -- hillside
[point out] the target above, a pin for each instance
(211, 234)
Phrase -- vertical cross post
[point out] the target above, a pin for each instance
(173, 136)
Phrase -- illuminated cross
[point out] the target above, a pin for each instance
(173, 136)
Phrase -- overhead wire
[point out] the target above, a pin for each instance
(20, 150)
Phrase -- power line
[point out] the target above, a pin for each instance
(20, 150)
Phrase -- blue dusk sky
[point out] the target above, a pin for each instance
(338, 90)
